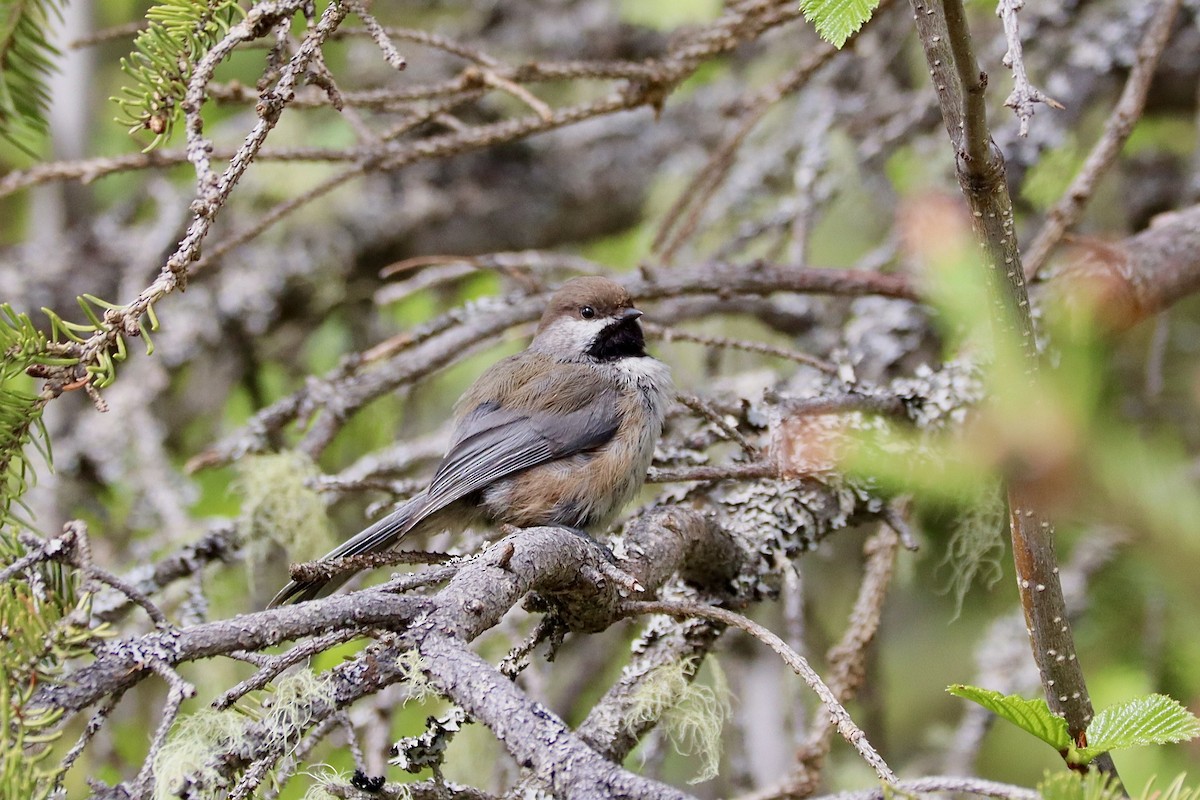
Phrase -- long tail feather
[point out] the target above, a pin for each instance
(378, 538)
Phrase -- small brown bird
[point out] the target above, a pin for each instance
(559, 434)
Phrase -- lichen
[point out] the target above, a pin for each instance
(279, 509)
(416, 683)
(427, 750)
(976, 544)
(692, 714)
(292, 702)
(186, 762)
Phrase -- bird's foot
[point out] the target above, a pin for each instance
(587, 537)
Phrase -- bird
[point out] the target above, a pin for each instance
(560, 434)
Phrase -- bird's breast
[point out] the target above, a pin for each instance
(588, 490)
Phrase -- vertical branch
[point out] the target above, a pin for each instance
(946, 39)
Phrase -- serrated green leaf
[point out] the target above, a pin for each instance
(1033, 716)
(1152, 719)
(838, 20)
(1095, 785)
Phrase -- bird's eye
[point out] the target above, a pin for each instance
(587, 312)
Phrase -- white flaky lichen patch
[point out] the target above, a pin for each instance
(428, 750)
(779, 519)
(941, 399)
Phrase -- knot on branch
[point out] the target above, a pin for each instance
(982, 176)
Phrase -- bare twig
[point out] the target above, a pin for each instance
(1024, 94)
(1066, 212)
(97, 720)
(919, 786)
(709, 474)
(275, 665)
(847, 662)
(669, 334)
(681, 220)
(841, 718)
(379, 34)
(704, 410)
(179, 690)
(323, 569)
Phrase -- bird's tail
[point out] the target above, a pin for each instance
(378, 538)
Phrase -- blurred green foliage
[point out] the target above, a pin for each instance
(26, 57)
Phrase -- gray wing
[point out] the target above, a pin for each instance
(494, 442)
(490, 443)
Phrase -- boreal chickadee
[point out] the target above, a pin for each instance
(559, 434)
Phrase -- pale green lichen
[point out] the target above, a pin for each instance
(292, 701)
(692, 714)
(188, 755)
(280, 509)
(412, 666)
(976, 547)
(322, 777)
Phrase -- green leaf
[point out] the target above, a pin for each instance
(838, 20)
(1095, 785)
(1152, 719)
(1033, 716)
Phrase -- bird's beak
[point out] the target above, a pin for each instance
(630, 313)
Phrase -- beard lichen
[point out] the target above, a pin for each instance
(280, 510)
(691, 714)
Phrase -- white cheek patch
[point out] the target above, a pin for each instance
(569, 336)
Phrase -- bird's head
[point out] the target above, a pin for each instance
(591, 317)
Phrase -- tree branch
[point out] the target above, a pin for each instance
(836, 711)
(980, 168)
(1117, 127)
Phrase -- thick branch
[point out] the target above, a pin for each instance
(536, 738)
(121, 664)
(570, 572)
(1122, 283)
